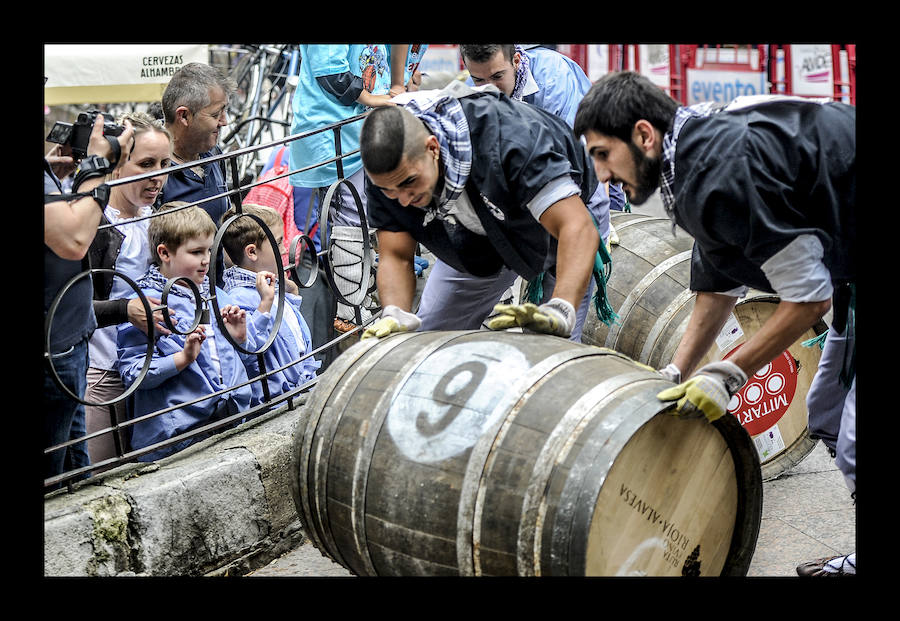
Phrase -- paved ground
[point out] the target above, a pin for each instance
(807, 514)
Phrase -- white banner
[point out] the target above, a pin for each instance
(597, 61)
(654, 63)
(723, 86)
(812, 71)
(99, 73)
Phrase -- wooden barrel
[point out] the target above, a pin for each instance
(650, 290)
(499, 453)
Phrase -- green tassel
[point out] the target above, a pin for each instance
(601, 273)
(819, 340)
(534, 292)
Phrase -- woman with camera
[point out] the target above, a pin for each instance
(70, 224)
(125, 248)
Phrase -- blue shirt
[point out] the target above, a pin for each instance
(557, 83)
(216, 368)
(186, 185)
(315, 108)
(560, 81)
(286, 347)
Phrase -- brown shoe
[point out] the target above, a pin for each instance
(817, 569)
(343, 326)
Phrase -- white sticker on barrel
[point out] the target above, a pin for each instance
(767, 395)
(450, 399)
(769, 443)
(730, 332)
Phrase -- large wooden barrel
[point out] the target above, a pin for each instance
(501, 453)
(650, 290)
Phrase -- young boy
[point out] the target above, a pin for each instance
(185, 366)
(251, 282)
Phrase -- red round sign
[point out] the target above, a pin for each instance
(767, 395)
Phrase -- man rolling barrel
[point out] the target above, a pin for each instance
(766, 185)
(491, 186)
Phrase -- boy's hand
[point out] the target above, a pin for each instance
(235, 319)
(290, 286)
(192, 343)
(265, 286)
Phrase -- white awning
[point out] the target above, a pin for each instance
(106, 73)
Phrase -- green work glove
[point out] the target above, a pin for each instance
(707, 392)
(393, 319)
(556, 317)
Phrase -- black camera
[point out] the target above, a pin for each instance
(78, 134)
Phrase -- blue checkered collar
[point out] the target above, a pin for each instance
(667, 175)
(442, 113)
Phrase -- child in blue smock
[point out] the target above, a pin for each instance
(251, 282)
(185, 367)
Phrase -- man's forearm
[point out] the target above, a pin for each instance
(709, 315)
(573, 265)
(396, 284)
(783, 328)
(577, 241)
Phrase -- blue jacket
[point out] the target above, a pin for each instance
(562, 83)
(285, 348)
(164, 386)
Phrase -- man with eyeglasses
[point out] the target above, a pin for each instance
(194, 106)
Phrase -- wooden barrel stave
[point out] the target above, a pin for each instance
(382, 513)
(649, 289)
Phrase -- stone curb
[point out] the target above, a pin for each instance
(221, 507)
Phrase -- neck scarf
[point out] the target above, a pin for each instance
(667, 176)
(236, 276)
(521, 73)
(153, 279)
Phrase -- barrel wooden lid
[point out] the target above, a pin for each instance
(673, 499)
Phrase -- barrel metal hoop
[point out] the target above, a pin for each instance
(748, 473)
(365, 453)
(637, 219)
(471, 495)
(635, 294)
(308, 433)
(588, 474)
(662, 322)
(554, 452)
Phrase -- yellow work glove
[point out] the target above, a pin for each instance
(556, 317)
(707, 392)
(613, 236)
(393, 319)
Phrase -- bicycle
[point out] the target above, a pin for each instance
(264, 75)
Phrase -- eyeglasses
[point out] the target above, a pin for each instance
(218, 116)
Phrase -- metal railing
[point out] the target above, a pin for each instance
(313, 260)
